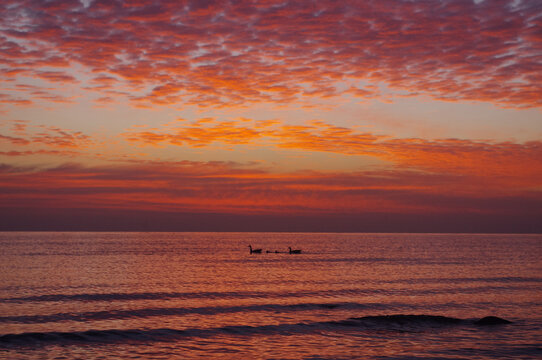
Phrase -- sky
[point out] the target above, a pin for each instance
(271, 115)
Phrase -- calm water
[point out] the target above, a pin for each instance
(202, 295)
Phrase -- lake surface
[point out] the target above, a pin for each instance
(203, 295)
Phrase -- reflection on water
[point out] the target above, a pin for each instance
(189, 295)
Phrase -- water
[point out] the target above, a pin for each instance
(202, 295)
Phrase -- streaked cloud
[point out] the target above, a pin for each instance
(494, 161)
(229, 188)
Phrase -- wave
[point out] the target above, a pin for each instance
(122, 314)
(256, 294)
(211, 310)
(460, 280)
(399, 323)
(134, 296)
(408, 281)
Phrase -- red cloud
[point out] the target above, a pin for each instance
(234, 52)
(227, 188)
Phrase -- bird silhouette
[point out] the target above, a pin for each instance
(254, 251)
(293, 251)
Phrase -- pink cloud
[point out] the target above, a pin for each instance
(233, 52)
(55, 76)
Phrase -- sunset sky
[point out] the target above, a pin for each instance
(388, 115)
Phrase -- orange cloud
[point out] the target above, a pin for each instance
(511, 163)
(60, 138)
(6, 99)
(14, 140)
(28, 135)
(39, 152)
(199, 133)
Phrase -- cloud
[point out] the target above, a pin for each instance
(39, 152)
(496, 164)
(208, 190)
(57, 137)
(55, 76)
(7, 99)
(513, 163)
(200, 133)
(14, 140)
(24, 134)
(234, 53)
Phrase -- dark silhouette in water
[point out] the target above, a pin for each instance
(402, 319)
(254, 251)
(492, 320)
(293, 251)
